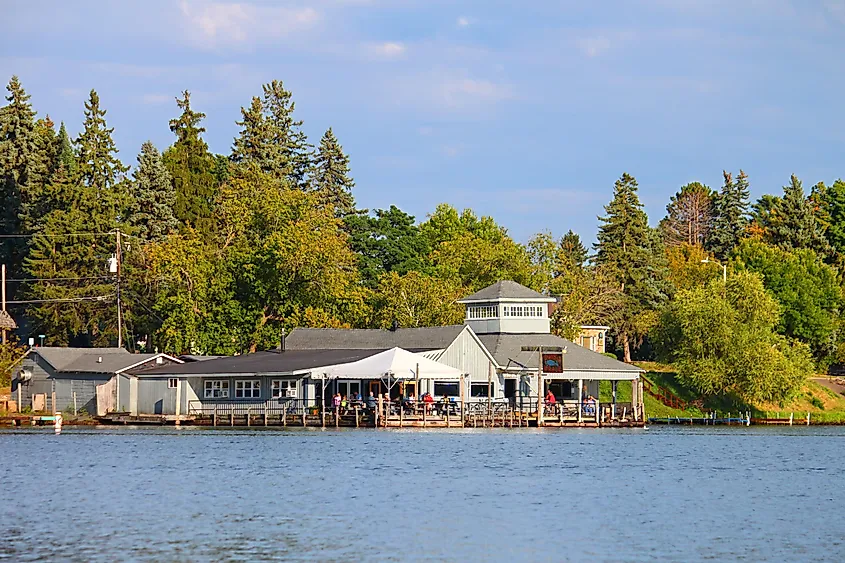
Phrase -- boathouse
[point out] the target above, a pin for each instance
(53, 379)
(505, 353)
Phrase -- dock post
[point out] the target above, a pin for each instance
(425, 409)
(448, 421)
(401, 412)
(357, 421)
(248, 415)
(231, 418)
(74, 403)
(336, 417)
(581, 399)
(214, 416)
(790, 418)
(614, 384)
(463, 417)
(808, 418)
(379, 411)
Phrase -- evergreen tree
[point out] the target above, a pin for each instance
(571, 252)
(390, 241)
(64, 155)
(192, 168)
(834, 204)
(331, 176)
(254, 143)
(151, 213)
(730, 215)
(23, 170)
(290, 150)
(629, 251)
(689, 216)
(790, 221)
(98, 165)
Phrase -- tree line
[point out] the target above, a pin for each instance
(223, 253)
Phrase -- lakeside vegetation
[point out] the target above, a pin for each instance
(222, 253)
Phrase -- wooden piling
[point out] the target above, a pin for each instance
(357, 421)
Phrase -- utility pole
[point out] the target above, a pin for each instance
(117, 293)
(4, 299)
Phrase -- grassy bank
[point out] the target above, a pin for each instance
(824, 405)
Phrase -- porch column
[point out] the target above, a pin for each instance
(613, 406)
(178, 410)
(539, 398)
(635, 401)
(580, 397)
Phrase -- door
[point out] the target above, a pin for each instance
(510, 388)
(410, 388)
(375, 388)
(347, 388)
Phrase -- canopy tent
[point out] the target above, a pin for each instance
(395, 363)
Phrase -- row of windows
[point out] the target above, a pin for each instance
(248, 389)
(492, 311)
(522, 311)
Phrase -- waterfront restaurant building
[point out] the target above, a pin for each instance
(505, 337)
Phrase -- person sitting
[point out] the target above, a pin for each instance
(371, 401)
(336, 401)
(550, 401)
(590, 405)
(428, 400)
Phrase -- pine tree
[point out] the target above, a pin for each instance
(793, 223)
(23, 170)
(64, 155)
(629, 251)
(331, 176)
(290, 151)
(254, 142)
(571, 252)
(192, 167)
(153, 197)
(730, 215)
(98, 165)
(689, 216)
(834, 203)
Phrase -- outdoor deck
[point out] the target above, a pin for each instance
(478, 414)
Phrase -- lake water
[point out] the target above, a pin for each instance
(669, 494)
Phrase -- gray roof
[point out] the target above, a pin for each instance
(257, 363)
(411, 339)
(86, 360)
(198, 358)
(507, 349)
(505, 289)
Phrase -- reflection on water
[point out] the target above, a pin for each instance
(212, 494)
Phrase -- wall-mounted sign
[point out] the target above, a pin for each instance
(552, 362)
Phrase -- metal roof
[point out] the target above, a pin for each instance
(89, 360)
(411, 339)
(506, 289)
(258, 363)
(507, 349)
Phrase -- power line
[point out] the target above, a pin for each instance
(66, 300)
(59, 279)
(58, 235)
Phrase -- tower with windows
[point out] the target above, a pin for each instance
(507, 307)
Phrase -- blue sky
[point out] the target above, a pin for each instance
(524, 111)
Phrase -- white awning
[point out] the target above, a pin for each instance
(396, 363)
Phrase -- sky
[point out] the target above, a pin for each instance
(525, 111)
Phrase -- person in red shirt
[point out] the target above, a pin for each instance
(550, 397)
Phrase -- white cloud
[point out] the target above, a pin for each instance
(211, 25)
(156, 99)
(387, 50)
(594, 46)
(463, 21)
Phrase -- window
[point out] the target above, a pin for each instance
(448, 389)
(217, 389)
(347, 388)
(523, 311)
(248, 389)
(172, 382)
(282, 388)
(482, 312)
(478, 390)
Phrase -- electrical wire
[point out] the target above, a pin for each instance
(63, 300)
(22, 280)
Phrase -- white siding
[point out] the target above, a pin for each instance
(467, 355)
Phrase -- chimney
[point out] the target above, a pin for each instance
(282, 341)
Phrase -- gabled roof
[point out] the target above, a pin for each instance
(506, 289)
(7, 322)
(411, 339)
(261, 363)
(507, 349)
(89, 360)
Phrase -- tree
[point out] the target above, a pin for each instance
(689, 216)
(475, 252)
(192, 166)
(833, 202)
(790, 221)
(730, 215)
(631, 253)
(153, 197)
(807, 289)
(685, 267)
(388, 241)
(23, 170)
(722, 341)
(572, 252)
(64, 155)
(98, 165)
(331, 176)
(588, 295)
(416, 300)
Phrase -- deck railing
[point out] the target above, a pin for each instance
(271, 407)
